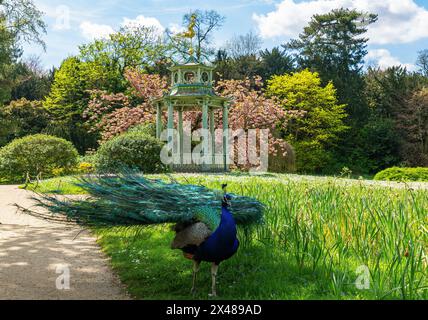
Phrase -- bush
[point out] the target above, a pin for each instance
(133, 149)
(36, 155)
(403, 174)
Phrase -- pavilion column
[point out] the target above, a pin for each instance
(212, 134)
(171, 126)
(225, 137)
(158, 120)
(205, 130)
(180, 134)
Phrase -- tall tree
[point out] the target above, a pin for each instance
(385, 138)
(245, 45)
(20, 21)
(422, 62)
(32, 82)
(239, 59)
(275, 62)
(206, 22)
(130, 47)
(319, 129)
(413, 123)
(333, 45)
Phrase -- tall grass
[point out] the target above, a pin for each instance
(333, 229)
(318, 235)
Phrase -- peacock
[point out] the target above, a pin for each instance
(204, 220)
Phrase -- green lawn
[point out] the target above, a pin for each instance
(317, 232)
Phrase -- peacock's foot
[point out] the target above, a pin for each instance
(212, 295)
(193, 291)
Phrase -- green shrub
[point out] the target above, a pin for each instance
(147, 129)
(36, 155)
(403, 174)
(133, 149)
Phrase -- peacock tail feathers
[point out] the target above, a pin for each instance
(210, 216)
(129, 199)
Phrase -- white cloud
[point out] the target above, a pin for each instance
(95, 31)
(400, 21)
(176, 28)
(144, 21)
(383, 59)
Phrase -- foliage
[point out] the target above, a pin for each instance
(422, 62)
(31, 81)
(313, 134)
(403, 174)
(132, 47)
(7, 57)
(68, 96)
(251, 109)
(333, 45)
(412, 122)
(136, 150)
(205, 23)
(379, 145)
(112, 114)
(275, 62)
(24, 20)
(20, 22)
(239, 68)
(397, 96)
(21, 118)
(36, 155)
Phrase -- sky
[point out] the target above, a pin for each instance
(395, 39)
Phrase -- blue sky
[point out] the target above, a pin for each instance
(401, 31)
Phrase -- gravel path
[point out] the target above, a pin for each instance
(36, 256)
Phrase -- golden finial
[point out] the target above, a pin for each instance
(190, 33)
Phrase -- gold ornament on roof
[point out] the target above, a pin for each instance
(190, 33)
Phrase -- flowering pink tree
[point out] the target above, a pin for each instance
(113, 114)
(251, 109)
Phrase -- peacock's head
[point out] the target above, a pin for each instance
(226, 197)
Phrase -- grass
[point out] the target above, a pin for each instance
(317, 233)
(61, 185)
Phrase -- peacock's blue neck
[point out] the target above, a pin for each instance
(227, 227)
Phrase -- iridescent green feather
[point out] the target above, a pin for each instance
(210, 216)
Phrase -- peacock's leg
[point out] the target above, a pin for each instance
(214, 269)
(196, 265)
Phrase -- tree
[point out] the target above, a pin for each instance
(318, 130)
(244, 45)
(205, 23)
(130, 47)
(333, 45)
(21, 118)
(239, 59)
(412, 122)
(252, 109)
(113, 114)
(20, 21)
(32, 82)
(422, 62)
(7, 57)
(382, 140)
(275, 62)
(23, 20)
(68, 99)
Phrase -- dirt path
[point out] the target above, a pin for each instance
(36, 256)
